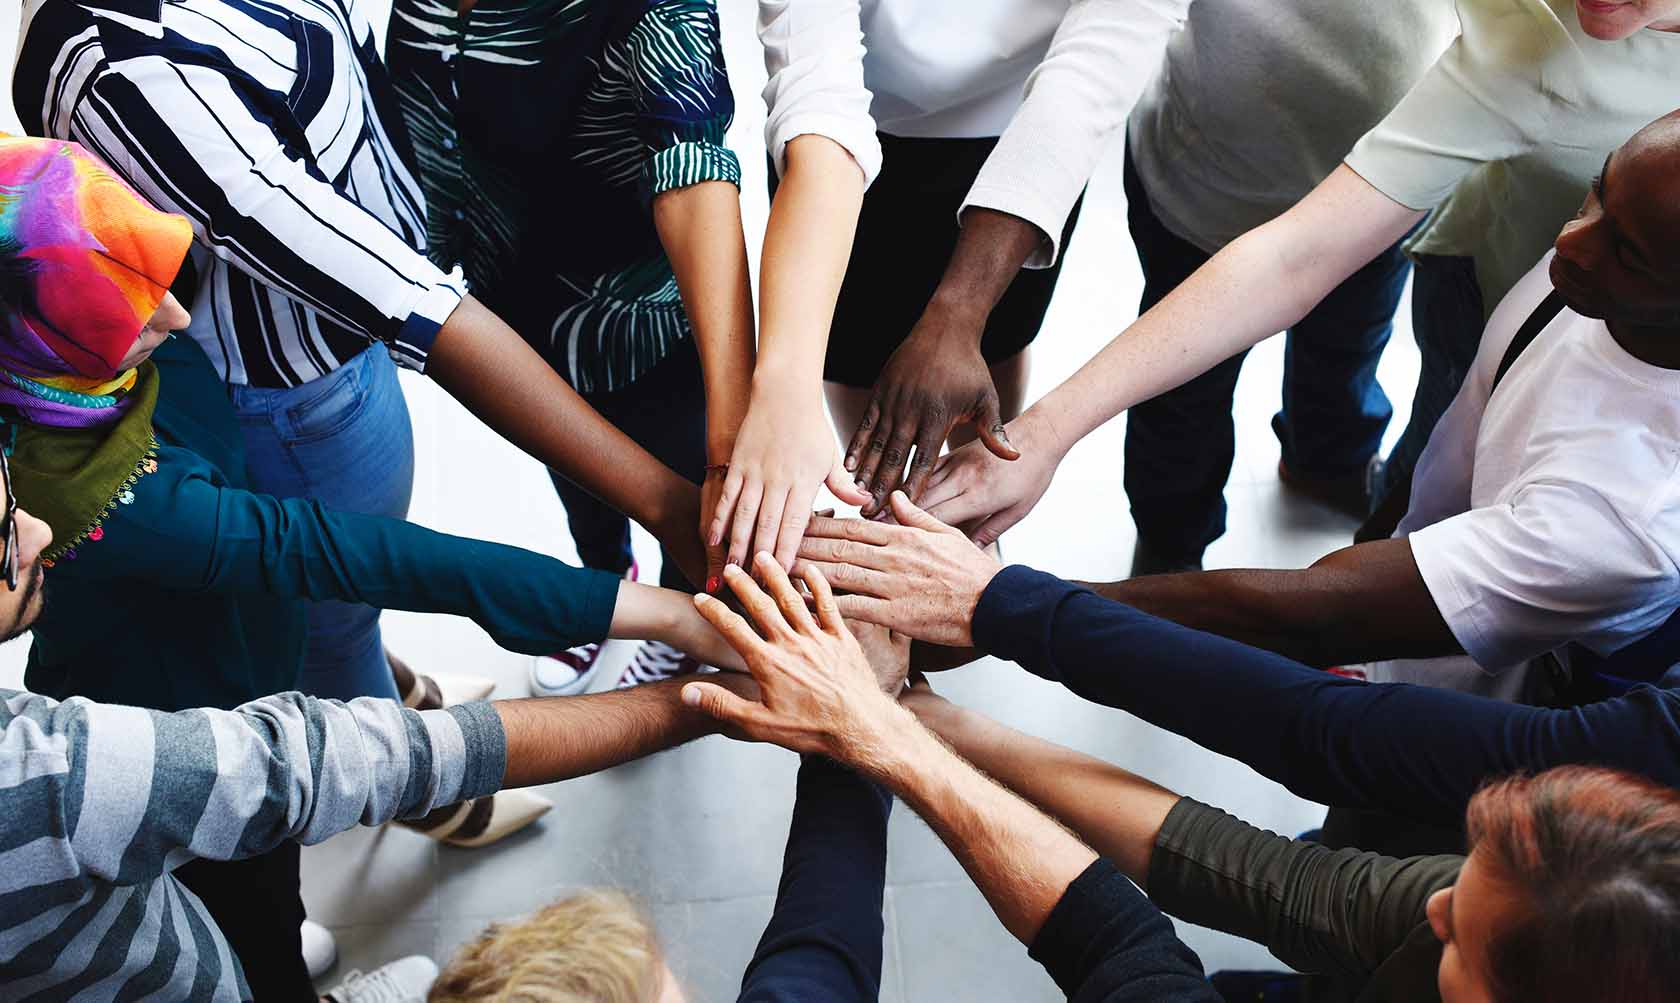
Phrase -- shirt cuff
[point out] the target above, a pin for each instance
(1014, 617)
(690, 164)
(1029, 206)
(1069, 943)
(413, 341)
(486, 748)
(853, 137)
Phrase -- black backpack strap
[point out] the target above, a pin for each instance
(1543, 314)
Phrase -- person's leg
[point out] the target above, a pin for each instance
(345, 441)
(1179, 445)
(1334, 411)
(258, 906)
(1447, 320)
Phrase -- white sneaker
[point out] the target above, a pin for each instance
(565, 673)
(656, 661)
(481, 821)
(436, 690)
(405, 980)
(320, 950)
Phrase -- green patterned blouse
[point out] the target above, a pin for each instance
(542, 129)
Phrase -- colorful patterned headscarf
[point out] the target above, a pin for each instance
(84, 263)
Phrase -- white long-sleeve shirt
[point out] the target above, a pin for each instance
(1052, 78)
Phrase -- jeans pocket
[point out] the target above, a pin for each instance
(332, 408)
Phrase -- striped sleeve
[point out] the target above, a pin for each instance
(212, 145)
(683, 101)
(136, 791)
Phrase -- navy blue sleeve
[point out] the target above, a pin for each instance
(1414, 750)
(1105, 943)
(823, 944)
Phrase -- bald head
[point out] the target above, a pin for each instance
(1619, 260)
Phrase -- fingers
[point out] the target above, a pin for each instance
(988, 532)
(840, 482)
(851, 578)
(907, 514)
(822, 598)
(861, 437)
(717, 702)
(714, 568)
(787, 598)
(792, 530)
(890, 471)
(866, 608)
(956, 510)
(760, 607)
(741, 525)
(860, 530)
(929, 440)
(989, 423)
(729, 624)
(846, 552)
(769, 523)
(725, 508)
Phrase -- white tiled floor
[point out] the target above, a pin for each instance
(697, 832)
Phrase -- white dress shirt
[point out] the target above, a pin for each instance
(1052, 78)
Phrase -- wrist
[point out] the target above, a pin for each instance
(954, 313)
(1040, 430)
(886, 748)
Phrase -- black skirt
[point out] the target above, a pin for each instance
(906, 233)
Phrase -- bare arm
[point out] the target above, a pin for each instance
(1360, 604)
(1118, 813)
(1258, 285)
(556, 738)
(486, 366)
(786, 449)
(700, 228)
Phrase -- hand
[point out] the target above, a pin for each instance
(785, 452)
(817, 692)
(920, 578)
(711, 492)
(934, 382)
(888, 653)
(971, 487)
(920, 699)
(676, 533)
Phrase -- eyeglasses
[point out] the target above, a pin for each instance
(10, 555)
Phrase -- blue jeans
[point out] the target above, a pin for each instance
(1180, 445)
(345, 441)
(1447, 320)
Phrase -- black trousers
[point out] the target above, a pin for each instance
(665, 412)
(258, 904)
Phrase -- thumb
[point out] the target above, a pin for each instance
(988, 531)
(907, 514)
(988, 422)
(844, 486)
(715, 701)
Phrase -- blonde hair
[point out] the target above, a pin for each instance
(594, 947)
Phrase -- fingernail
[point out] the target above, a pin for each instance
(860, 484)
(731, 562)
(851, 463)
(715, 539)
(712, 583)
(691, 696)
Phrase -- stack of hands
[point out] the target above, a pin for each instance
(830, 668)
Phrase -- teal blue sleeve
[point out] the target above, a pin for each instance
(184, 531)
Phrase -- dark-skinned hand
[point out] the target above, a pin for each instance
(935, 381)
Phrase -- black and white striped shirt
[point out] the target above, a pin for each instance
(100, 803)
(270, 124)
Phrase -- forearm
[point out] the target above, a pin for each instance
(1317, 615)
(700, 228)
(1020, 859)
(1117, 813)
(557, 738)
(807, 244)
(990, 251)
(485, 365)
(645, 612)
(1258, 285)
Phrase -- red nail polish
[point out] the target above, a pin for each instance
(712, 584)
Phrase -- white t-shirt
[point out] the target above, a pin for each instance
(1506, 131)
(1053, 78)
(1551, 513)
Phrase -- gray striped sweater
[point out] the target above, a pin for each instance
(99, 803)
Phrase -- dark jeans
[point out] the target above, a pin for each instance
(665, 412)
(1180, 445)
(1447, 320)
(258, 906)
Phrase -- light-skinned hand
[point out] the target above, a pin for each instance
(973, 487)
(919, 577)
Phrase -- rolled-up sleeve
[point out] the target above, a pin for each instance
(217, 148)
(684, 104)
(1102, 56)
(813, 52)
